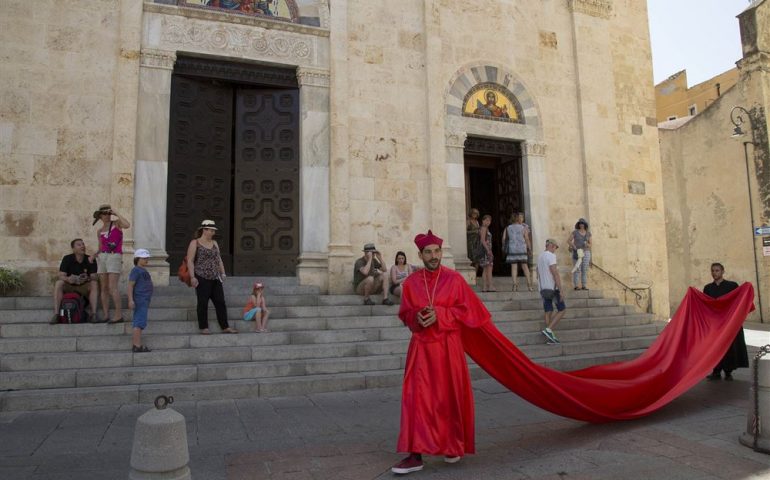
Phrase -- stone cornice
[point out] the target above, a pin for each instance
(323, 14)
(594, 8)
(315, 77)
(152, 58)
(223, 17)
(759, 61)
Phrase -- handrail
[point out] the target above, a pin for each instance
(628, 288)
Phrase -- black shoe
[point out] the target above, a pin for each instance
(387, 301)
(140, 349)
(715, 376)
(368, 301)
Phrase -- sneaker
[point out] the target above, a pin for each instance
(387, 301)
(549, 336)
(452, 459)
(368, 301)
(410, 464)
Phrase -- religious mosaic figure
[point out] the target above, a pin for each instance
(491, 109)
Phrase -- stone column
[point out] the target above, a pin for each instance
(151, 173)
(455, 174)
(313, 264)
(340, 249)
(124, 137)
(535, 185)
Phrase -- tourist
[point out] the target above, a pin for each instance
(207, 274)
(472, 234)
(486, 260)
(77, 274)
(550, 289)
(580, 246)
(110, 258)
(370, 276)
(256, 308)
(139, 296)
(517, 249)
(398, 273)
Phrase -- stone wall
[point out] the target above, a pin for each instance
(60, 156)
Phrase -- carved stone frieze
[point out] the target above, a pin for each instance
(323, 14)
(315, 77)
(235, 39)
(535, 149)
(594, 8)
(151, 58)
(455, 140)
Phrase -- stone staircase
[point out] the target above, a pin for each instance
(316, 343)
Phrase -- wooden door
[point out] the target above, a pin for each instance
(199, 164)
(266, 181)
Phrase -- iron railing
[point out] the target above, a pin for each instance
(640, 298)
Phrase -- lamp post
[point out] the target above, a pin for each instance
(737, 118)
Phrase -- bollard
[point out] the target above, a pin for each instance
(757, 435)
(160, 444)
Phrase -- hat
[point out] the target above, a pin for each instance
(142, 253)
(551, 241)
(369, 247)
(208, 224)
(422, 240)
(258, 285)
(103, 208)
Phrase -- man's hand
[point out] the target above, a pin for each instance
(131, 304)
(426, 317)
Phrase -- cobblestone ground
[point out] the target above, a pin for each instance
(351, 435)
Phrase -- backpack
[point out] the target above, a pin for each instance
(72, 309)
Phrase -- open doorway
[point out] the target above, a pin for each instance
(493, 185)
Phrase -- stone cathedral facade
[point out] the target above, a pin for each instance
(306, 128)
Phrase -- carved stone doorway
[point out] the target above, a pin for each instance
(234, 158)
(493, 185)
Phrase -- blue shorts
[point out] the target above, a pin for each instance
(551, 296)
(141, 308)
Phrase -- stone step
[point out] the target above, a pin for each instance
(56, 398)
(581, 308)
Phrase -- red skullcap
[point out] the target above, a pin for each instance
(422, 240)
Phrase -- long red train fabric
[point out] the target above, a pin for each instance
(687, 349)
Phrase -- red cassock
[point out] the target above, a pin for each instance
(437, 400)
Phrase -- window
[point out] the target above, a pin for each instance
(692, 109)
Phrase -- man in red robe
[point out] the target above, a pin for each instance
(437, 399)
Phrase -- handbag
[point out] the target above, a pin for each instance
(184, 273)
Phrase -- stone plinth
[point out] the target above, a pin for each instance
(763, 440)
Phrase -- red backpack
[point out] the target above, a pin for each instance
(72, 309)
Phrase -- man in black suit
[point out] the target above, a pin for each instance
(736, 356)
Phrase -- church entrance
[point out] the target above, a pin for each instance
(493, 185)
(234, 158)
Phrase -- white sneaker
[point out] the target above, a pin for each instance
(452, 459)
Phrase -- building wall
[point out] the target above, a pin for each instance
(384, 99)
(707, 196)
(674, 99)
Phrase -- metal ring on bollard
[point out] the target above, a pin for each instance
(162, 401)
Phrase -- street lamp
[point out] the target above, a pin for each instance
(737, 115)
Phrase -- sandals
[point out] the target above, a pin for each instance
(140, 349)
(117, 320)
(229, 330)
(205, 331)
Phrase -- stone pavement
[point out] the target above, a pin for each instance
(352, 435)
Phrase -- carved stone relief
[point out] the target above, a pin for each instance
(152, 58)
(315, 77)
(594, 8)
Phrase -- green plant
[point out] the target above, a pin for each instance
(10, 280)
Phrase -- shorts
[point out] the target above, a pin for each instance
(376, 286)
(82, 289)
(109, 262)
(249, 316)
(141, 309)
(548, 300)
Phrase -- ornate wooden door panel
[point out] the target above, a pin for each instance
(200, 164)
(266, 183)
(509, 189)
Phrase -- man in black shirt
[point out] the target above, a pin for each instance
(76, 274)
(736, 356)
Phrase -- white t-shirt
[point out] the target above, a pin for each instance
(544, 276)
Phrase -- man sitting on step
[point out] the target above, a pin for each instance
(76, 274)
(370, 276)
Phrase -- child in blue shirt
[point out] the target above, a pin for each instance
(139, 295)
